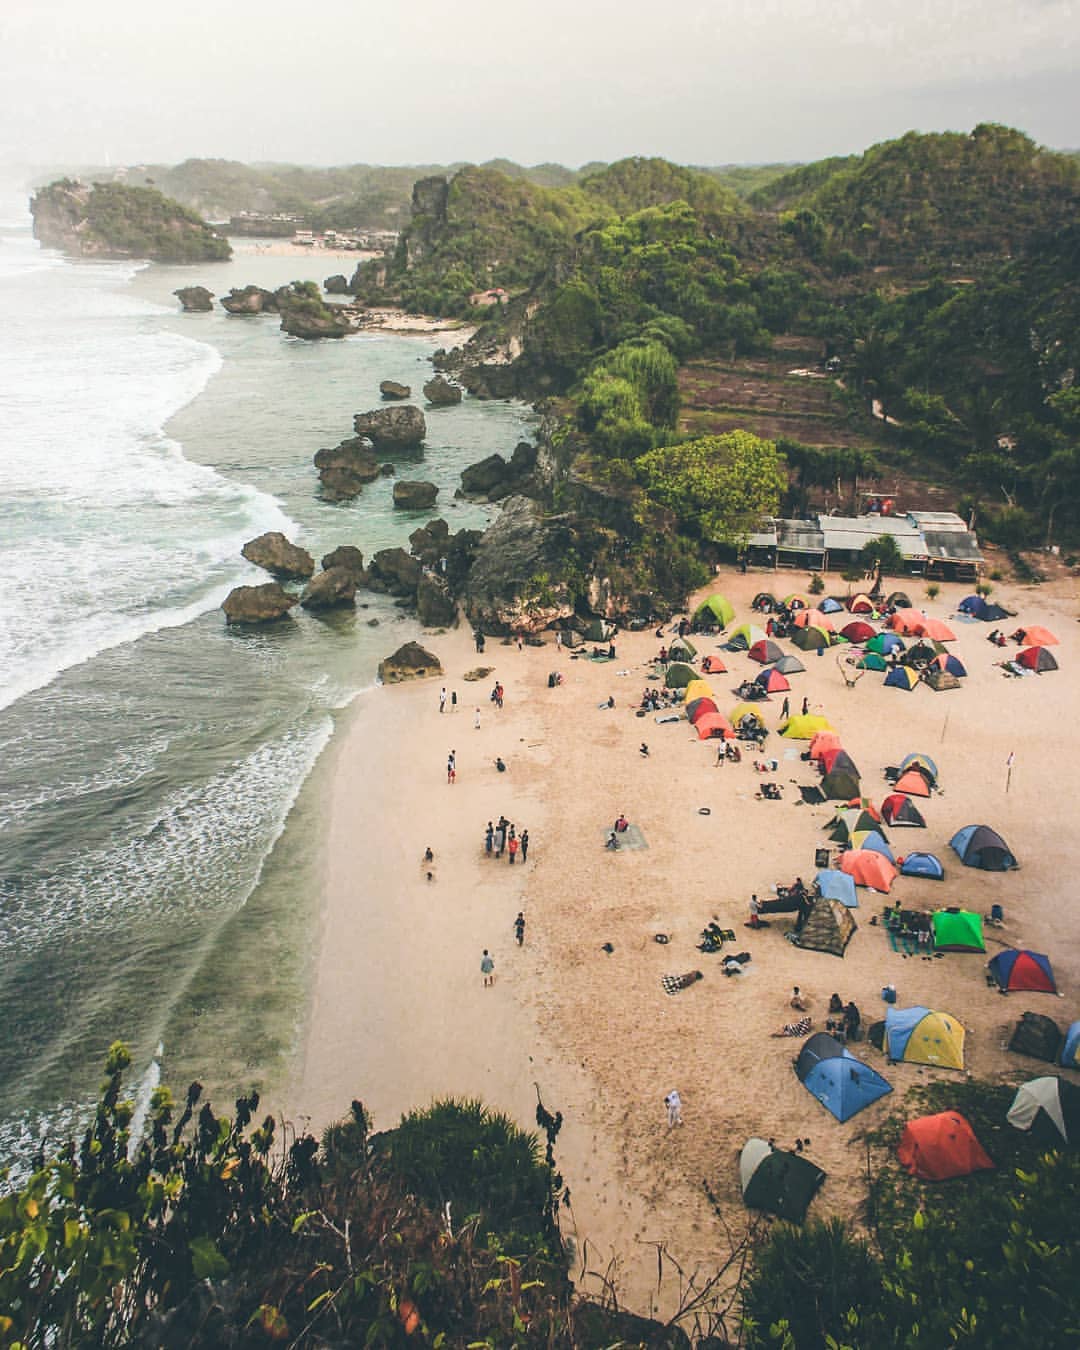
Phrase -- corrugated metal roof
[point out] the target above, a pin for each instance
(938, 521)
(952, 546)
(803, 536)
(851, 534)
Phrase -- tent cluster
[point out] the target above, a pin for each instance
(1042, 1038)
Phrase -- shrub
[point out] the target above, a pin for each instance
(816, 584)
(933, 591)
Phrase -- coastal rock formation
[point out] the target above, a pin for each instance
(195, 299)
(398, 428)
(112, 220)
(435, 606)
(257, 604)
(274, 552)
(428, 542)
(501, 592)
(494, 477)
(348, 557)
(331, 588)
(394, 570)
(303, 322)
(387, 470)
(390, 389)
(441, 392)
(338, 284)
(413, 495)
(344, 469)
(249, 300)
(409, 662)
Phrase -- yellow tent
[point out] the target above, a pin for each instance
(920, 1036)
(698, 689)
(739, 712)
(804, 726)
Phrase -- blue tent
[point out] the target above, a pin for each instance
(840, 1082)
(902, 677)
(919, 760)
(830, 605)
(979, 608)
(877, 843)
(953, 664)
(922, 865)
(1070, 1055)
(970, 604)
(980, 846)
(839, 886)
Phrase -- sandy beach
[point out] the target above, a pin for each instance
(399, 1014)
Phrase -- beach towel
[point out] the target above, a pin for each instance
(667, 717)
(673, 984)
(811, 795)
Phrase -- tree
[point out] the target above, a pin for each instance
(720, 487)
(883, 555)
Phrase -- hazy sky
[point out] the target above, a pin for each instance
(698, 81)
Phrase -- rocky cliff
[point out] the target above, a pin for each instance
(110, 220)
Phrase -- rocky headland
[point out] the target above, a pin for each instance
(110, 220)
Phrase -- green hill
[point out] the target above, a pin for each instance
(112, 220)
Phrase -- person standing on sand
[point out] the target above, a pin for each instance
(558, 639)
(453, 701)
(524, 845)
(476, 720)
(442, 699)
(673, 1102)
(805, 705)
(512, 847)
(487, 968)
(785, 710)
(519, 929)
(489, 838)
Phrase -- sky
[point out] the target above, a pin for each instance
(569, 81)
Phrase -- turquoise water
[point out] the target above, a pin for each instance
(160, 798)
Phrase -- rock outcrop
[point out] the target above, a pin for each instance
(348, 557)
(338, 284)
(493, 478)
(429, 542)
(435, 606)
(344, 469)
(503, 592)
(250, 300)
(113, 220)
(410, 662)
(395, 428)
(284, 559)
(390, 390)
(394, 570)
(257, 604)
(301, 321)
(195, 299)
(329, 589)
(441, 392)
(414, 495)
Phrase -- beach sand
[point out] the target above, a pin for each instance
(400, 1016)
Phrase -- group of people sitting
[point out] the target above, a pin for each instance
(653, 700)
(996, 637)
(749, 692)
(844, 1019)
(620, 826)
(769, 792)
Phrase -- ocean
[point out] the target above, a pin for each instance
(160, 787)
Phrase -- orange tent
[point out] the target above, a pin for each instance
(822, 741)
(712, 665)
(864, 804)
(935, 630)
(907, 621)
(1039, 637)
(714, 724)
(867, 868)
(813, 618)
(913, 783)
(936, 1148)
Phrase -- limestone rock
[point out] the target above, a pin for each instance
(395, 428)
(414, 496)
(345, 469)
(348, 557)
(390, 389)
(440, 391)
(330, 322)
(387, 470)
(487, 475)
(249, 300)
(394, 570)
(257, 604)
(409, 662)
(429, 541)
(435, 606)
(522, 544)
(274, 552)
(195, 299)
(338, 284)
(332, 587)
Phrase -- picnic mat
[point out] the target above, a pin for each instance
(811, 795)
(631, 837)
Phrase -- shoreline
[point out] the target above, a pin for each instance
(397, 1012)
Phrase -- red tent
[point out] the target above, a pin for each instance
(772, 682)
(899, 809)
(765, 651)
(822, 741)
(858, 630)
(913, 783)
(1037, 658)
(936, 1148)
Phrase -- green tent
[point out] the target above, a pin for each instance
(716, 612)
(810, 638)
(682, 649)
(678, 676)
(872, 661)
(958, 930)
(778, 1182)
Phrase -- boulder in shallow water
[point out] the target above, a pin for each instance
(249, 300)
(390, 390)
(274, 552)
(396, 428)
(195, 299)
(336, 586)
(413, 495)
(410, 662)
(257, 604)
(338, 284)
(441, 392)
(394, 570)
(344, 469)
(347, 556)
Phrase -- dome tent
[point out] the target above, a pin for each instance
(802, 726)
(842, 1083)
(835, 885)
(698, 688)
(712, 724)
(1037, 1036)
(858, 630)
(940, 681)
(831, 605)
(1049, 1109)
(926, 865)
(776, 1181)
(765, 651)
(925, 765)
(745, 636)
(829, 927)
(743, 710)
(811, 639)
(980, 846)
(958, 930)
(681, 649)
(922, 1036)
(936, 1148)
(868, 868)
(872, 661)
(1015, 969)
(678, 676)
(898, 600)
(712, 665)
(885, 644)
(902, 677)
(1070, 1053)
(715, 612)
(772, 681)
(898, 809)
(861, 604)
(789, 665)
(698, 707)
(1039, 659)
